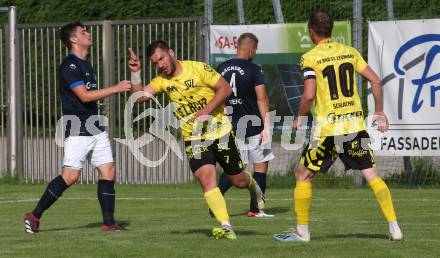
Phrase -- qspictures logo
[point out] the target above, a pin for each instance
(163, 121)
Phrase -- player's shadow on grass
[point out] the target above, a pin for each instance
(96, 225)
(272, 210)
(353, 235)
(208, 232)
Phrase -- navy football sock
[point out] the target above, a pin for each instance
(106, 197)
(260, 177)
(224, 183)
(54, 190)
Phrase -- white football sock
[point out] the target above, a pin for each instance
(226, 224)
(303, 230)
(393, 226)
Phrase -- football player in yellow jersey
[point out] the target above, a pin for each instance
(330, 93)
(199, 92)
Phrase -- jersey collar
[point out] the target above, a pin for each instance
(240, 58)
(72, 54)
(325, 41)
(75, 56)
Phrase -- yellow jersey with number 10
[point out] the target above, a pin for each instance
(337, 106)
(191, 91)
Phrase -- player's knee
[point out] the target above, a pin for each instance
(107, 171)
(112, 169)
(240, 182)
(112, 172)
(70, 178)
(303, 175)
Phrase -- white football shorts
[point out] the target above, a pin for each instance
(252, 152)
(77, 149)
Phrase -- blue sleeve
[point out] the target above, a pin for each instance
(72, 74)
(259, 77)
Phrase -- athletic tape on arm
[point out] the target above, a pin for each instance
(136, 78)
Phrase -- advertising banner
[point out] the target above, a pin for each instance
(405, 56)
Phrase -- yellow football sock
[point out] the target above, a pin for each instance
(383, 197)
(303, 201)
(217, 204)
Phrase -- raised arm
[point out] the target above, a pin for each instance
(134, 64)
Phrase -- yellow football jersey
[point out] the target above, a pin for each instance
(192, 90)
(337, 106)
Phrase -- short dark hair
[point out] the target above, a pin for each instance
(321, 23)
(156, 44)
(68, 31)
(247, 35)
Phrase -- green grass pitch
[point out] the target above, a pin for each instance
(173, 221)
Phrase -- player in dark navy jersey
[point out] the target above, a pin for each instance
(76, 72)
(84, 137)
(248, 105)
